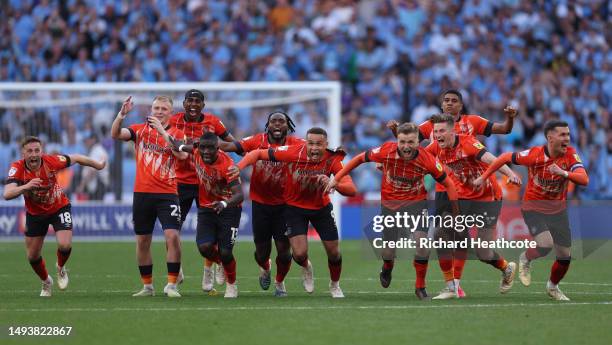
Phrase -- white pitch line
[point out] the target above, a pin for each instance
(363, 307)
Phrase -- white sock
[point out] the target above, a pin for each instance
(450, 285)
(148, 286)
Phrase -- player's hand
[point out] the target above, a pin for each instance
(99, 165)
(392, 124)
(233, 172)
(331, 185)
(478, 183)
(510, 111)
(33, 183)
(322, 181)
(127, 106)
(514, 179)
(218, 206)
(155, 123)
(555, 170)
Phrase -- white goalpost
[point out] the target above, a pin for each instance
(82, 100)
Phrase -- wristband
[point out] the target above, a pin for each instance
(224, 204)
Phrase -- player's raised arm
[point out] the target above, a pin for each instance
(506, 126)
(87, 161)
(117, 132)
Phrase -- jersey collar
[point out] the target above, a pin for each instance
(456, 141)
(199, 119)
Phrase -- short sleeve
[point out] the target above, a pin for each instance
(133, 130)
(337, 165)
(473, 147)
(247, 144)
(575, 162)
(59, 162)
(425, 130)
(374, 155)
(15, 174)
(282, 154)
(481, 125)
(434, 167)
(433, 148)
(526, 157)
(220, 129)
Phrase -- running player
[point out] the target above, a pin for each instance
(266, 193)
(155, 190)
(466, 159)
(307, 172)
(219, 209)
(473, 125)
(550, 168)
(194, 122)
(35, 177)
(404, 166)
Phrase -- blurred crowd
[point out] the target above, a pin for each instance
(550, 59)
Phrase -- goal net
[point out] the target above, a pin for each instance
(76, 118)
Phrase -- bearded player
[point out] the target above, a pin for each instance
(404, 166)
(35, 177)
(550, 169)
(266, 192)
(307, 170)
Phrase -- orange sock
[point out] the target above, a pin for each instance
(459, 263)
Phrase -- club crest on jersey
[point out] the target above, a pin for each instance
(12, 171)
(478, 145)
(577, 158)
(564, 166)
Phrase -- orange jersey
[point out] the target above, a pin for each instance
(215, 184)
(403, 179)
(268, 179)
(468, 125)
(463, 161)
(155, 163)
(185, 169)
(301, 187)
(47, 198)
(543, 185)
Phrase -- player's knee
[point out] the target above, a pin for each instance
(335, 260)
(64, 247)
(34, 258)
(284, 257)
(206, 249)
(300, 257)
(226, 256)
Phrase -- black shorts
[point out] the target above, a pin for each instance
(147, 207)
(396, 233)
(187, 193)
(38, 225)
(268, 222)
(557, 224)
(221, 228)
(322, 220)
(488, 210)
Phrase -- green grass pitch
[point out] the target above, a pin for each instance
(103, 275)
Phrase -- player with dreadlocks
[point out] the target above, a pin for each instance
(266, 193)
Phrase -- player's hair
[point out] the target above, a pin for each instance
(443, 118)
(317, 130)
(290, 123)
(30, 139)
(552, 124)
(207, 136)
(452, 92)
(407, 128)
(164, 98)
